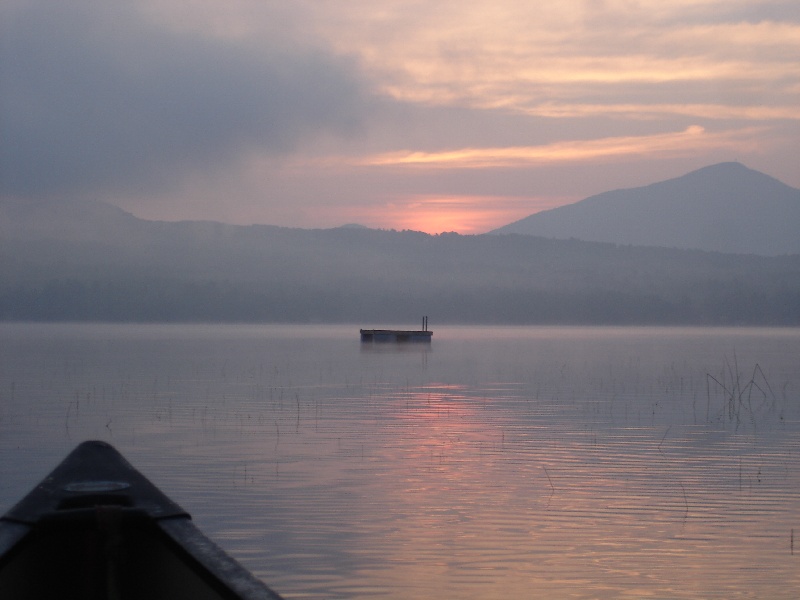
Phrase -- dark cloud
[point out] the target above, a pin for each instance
(96, 98)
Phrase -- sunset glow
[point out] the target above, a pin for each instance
(688, 140)
(438, 214)
(433, 116)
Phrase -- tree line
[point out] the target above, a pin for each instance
(268, 274)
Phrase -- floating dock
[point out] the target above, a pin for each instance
(398, 335)
(395, 335)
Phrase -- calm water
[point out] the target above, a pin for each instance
(495, 463)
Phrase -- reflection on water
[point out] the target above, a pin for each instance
(511, 462)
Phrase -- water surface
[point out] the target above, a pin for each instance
(557, 462)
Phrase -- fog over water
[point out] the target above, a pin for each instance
(514, 462)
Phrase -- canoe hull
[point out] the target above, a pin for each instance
(95, 528)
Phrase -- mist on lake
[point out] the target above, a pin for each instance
(493, 462)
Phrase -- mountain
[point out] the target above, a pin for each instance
(89, 261)
(64, 220)
(723, 208)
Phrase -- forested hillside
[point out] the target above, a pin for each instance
(133, 270)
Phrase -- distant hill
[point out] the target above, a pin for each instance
(89, 261)
(65, 220)
(353, 226)
(722, 208)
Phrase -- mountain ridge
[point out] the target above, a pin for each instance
(90, 261)
(725, 207)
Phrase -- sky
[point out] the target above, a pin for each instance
(434, 116)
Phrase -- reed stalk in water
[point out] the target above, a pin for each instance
(739, 396)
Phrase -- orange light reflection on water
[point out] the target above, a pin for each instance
(531, 509)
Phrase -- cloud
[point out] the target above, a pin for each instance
(513, 55)
(95, 97)
(691, 139)
(655, 111)
(296, 111)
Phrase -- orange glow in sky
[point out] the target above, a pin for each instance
(455, 115)
(463, 214)
(567, 151)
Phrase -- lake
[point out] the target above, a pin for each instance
(496, 462)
